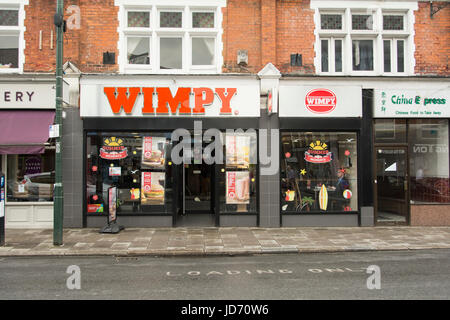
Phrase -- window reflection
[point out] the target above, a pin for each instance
(318, 172)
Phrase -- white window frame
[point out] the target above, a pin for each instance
(18, 30)
(393, 47)
(378, 9)
(186, 32)
(332, 55)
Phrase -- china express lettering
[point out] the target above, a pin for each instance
(433, 101)
(401, 100)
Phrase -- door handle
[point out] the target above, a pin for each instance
(405, 185)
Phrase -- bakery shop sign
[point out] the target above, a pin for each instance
(125, 98)
(113, 149)
(318, 153)
(320, 101)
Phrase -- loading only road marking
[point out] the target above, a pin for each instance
(194, 273)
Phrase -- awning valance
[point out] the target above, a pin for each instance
(24, 131)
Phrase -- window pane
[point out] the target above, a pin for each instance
(400, 56)
(237, 178)
(137, 164)
(392, 22)
(138, 49)
(9, 51)
(429, 160)
(338, 55)
(331, 21)
(203, 19)
(171, 53)
(9, 17)
(362, 22)
(324, 52)
(138, 19)
(362, 55)
(31, 177)
(170, 19)
(203, 51)
(387, 55)
(390, 131)
(319, 172)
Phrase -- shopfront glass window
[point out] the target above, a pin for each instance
(31, 177)
(390, 131)
(319, 172)
(138, 165)
(429, 160)
(238, 175)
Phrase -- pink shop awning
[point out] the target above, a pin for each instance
(24, 132)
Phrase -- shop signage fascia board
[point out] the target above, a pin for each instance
(425, 83)
(94, 102)
(412, 103)
(293, 94)
(26, 93)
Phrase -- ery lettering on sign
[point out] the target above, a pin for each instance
(17, 96)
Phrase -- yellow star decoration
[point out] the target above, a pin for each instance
(303, 172)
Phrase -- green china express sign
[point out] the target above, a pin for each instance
(409, 103)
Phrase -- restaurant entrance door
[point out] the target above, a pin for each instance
(392, 185)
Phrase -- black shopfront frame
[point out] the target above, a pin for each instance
(323, 125)
(363, 127)
(143, 124)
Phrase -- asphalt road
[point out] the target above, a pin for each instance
(403, 275)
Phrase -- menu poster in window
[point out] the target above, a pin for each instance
(238, 151)
(33, 165)
(153, 152)
(152, 191)
(112, 202)
(238, 187)
(115, 171)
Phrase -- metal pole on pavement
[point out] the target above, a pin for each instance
(58, 204)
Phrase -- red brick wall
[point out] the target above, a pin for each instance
(242, 31)
(271, 30)
(432, 40)
(84, 47)
(295, 34)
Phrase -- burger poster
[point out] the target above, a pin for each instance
(153, 152)
(238, 187)
(238, 151)
(152, 190)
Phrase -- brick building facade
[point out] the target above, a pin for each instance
(365, 47)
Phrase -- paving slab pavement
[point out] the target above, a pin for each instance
(222, 241)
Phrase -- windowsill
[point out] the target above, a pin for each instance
(303, 213)
(418, 203)
(212, 70)
(10, 70)
(28, 203)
